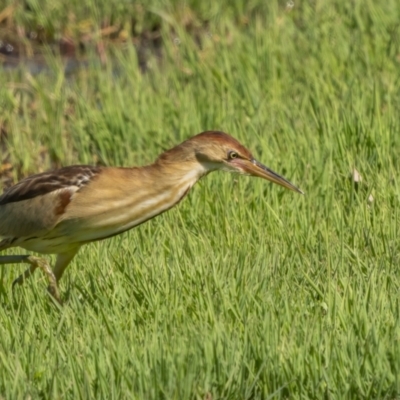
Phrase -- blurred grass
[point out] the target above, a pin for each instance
(244, 290)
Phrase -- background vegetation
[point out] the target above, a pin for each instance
(243, 291)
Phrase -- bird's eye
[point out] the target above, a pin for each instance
(232, 155)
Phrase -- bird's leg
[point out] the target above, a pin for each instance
(35, 262)
(63, 259)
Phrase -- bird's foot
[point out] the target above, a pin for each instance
(37, 262)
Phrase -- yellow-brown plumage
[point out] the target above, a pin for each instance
(59, 211)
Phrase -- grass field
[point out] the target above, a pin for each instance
(244, 290)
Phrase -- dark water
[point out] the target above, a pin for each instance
(73, 57)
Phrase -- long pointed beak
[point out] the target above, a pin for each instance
(255, 168)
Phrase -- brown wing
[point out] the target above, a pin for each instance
(47, 182)
(34, 205)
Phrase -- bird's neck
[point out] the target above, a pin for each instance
(157, 188)
(131, 196)
(175, 177)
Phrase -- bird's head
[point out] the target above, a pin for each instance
(215, 150)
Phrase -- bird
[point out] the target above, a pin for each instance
(59, 211)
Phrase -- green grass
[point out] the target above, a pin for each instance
(244, 290)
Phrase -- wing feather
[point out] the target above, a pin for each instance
(33, 206)
(47, 182)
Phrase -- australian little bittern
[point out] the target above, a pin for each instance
(57, 212)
